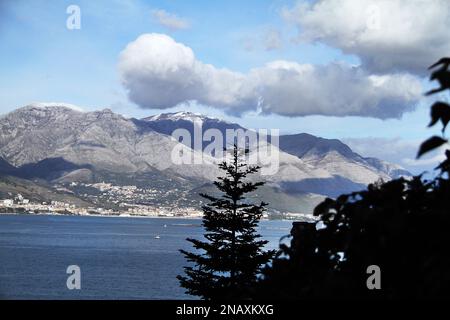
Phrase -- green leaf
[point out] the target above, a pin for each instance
(430, 144)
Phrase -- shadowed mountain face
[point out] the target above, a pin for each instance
(58, 144)
(331, 187)
(329, 154)
(314, 150)
(48, 169)
(6, 168)
(303, 145)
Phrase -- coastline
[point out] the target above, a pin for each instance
(125, 216)
(97, 215)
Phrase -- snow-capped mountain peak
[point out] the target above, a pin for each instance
(48, 105)
(182, 115)
(52, 141)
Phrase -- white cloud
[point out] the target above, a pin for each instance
(273, 40)
(386, 35)
(430, 162)
(293, 89)
(161, 73)
(265, 39)
(397, 150)
(169, 20)
(390, 149)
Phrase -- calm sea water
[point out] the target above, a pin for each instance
(120, 258)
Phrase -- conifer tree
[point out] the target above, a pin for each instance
(227, 264)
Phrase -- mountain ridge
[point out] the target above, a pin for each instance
(302, 145)
(58, 144)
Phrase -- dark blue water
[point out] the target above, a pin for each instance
(119, 257)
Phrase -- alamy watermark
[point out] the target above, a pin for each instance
(373, 21)
(374, 280)
(204, 147)
(73, 21)
(74, 278)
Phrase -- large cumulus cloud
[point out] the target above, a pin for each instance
(158, 72)
(386, 35)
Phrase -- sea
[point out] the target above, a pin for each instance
(117, 257)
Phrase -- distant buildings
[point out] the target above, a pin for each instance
(18, 199)
(19, 204)
(7, 202)
(120, 201)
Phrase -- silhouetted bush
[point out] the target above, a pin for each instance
(401, 226)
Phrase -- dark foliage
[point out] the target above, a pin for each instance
(430, 144)
(227, 264)
(402, 226)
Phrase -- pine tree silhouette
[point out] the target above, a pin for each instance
(228, 263)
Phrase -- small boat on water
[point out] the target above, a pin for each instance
(157, 237)
(165, 226)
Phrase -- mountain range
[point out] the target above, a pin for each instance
(55, 145)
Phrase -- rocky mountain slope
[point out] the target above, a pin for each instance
(331, 156)
(100, 140)
(57, 144)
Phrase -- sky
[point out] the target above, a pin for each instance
(354, 70)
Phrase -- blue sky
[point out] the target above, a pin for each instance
(79, 66)
(43, 61)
